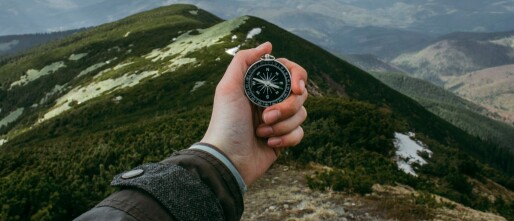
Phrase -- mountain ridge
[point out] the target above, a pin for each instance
(458, 53)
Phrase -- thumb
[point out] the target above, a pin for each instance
(244, 58)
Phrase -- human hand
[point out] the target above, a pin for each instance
(236, 132)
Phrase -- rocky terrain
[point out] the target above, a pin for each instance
(283, 194)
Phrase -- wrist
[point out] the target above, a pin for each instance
(220, 155)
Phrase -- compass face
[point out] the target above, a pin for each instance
(267, 82)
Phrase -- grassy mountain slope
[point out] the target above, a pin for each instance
(133, 91)
(491, 87)
(457, 54)
(462, 113)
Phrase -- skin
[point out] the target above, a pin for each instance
(249, 140)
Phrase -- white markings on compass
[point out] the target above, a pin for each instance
(267, 83)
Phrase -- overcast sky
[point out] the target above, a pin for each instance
(29, 16)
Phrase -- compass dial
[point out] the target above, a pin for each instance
(267, 82)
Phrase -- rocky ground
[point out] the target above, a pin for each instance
(283, 194)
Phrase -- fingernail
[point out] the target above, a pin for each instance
(274, 141)
(271, 116)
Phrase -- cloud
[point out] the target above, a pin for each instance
(59, 4)
(507, 5)
(13, 11)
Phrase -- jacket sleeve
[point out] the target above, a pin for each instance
(193, 184)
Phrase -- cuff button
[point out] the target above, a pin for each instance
(132, 174)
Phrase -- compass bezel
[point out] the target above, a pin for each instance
(265, 83)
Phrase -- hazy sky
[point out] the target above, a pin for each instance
(29, 16)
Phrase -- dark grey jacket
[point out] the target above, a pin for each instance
(192, 184)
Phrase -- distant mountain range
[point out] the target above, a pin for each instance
(371, 63)
(384, 28)
(76, 111)
(457, 54)
(476, 66)
(435, 16)
(14, 44)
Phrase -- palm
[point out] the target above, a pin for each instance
(235, 122)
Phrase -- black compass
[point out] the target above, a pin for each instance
(267, 82)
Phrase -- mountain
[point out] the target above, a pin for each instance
(384, 29)
(491, 87)
(457, 54)
(475, 66)
(370, 63)
(462, 113)
(14, 44)
(434, 17)
(77, 111)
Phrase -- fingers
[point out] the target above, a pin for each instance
(294, 102)
(233, 78)
(291, 139)
(244, 58)
(286, 133)
(282, 127)
(285, 109)
(298, 75)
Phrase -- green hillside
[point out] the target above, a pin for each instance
(464, 114)
(133, 91)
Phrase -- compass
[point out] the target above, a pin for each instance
(267, 82)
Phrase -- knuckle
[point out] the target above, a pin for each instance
(290, 110)
(296, 136)
(303, 113)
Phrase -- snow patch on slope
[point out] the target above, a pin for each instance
(233, 51)
(2, 141)
(407, 152)
(56, 89)
(122, 65)
(11, 117)
(252, 33)
(187, 43)
(33, 74)
(76, 57)
(198, 84)
(82, 94)
(94, 67)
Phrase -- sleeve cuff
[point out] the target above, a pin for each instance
(182, 194)
(215, 152)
